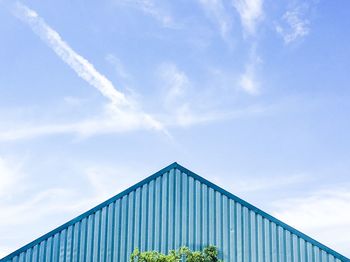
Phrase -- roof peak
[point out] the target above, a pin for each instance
(188, 172)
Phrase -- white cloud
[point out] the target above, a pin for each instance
(50, 201)
(176, 83)
(186, 105)
(53, 206)
(112, 120)
(177, 91)
(182, 106)
(106, 181)
(9, 175)
(186, 116)
(151, 8)
(56, 205)
(293, 26)
(175, 88)
(324, 215)
(123, 76)
(248, 82)
(118, 66)
(251, 13)
(248, 79)
(123, 113)
(80, 65)
(17, 212)
(216, 10)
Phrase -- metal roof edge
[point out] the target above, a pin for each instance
(199, 178)
(263, 214)
(89, 212)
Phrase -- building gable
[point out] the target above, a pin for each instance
(172, 208)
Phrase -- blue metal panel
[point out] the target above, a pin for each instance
(172, 208)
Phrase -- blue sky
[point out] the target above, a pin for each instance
(250, 94)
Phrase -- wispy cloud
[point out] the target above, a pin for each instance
(186, 116)
(106, 181)
(216, 10)
(111, 121)
(149, 7)
(181, 104)
(330, 207)
(118, 66)
(124, 78)
(79, 64)
(124, 114)
(176, 83)
(251, 13)
(178, 103)
(55, 204)
(9, 175)
(152, 8)
(248, 79)
(293, 26)
(175, 88)
(185, 106)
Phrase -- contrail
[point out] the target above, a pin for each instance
(79, 64)
(120, 105)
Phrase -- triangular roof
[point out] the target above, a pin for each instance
(196, 177)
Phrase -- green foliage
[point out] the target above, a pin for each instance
(209, 254)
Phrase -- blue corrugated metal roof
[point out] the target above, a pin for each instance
(255, 225)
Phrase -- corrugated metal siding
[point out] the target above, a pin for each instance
(170, 211)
